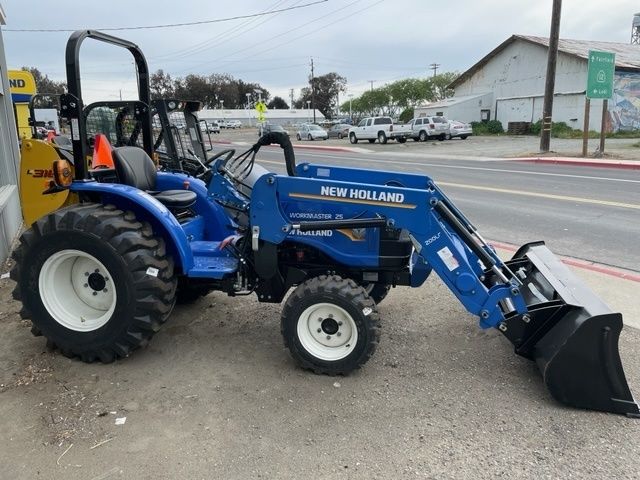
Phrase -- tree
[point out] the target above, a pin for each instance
(327, 88)
(161, 85)
(45, 85)
(278, 103)
(401, 97)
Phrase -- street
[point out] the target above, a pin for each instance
(587, 213)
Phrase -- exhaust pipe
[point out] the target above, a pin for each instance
(570, 333)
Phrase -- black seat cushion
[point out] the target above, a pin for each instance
(176, 198)
(135, 168)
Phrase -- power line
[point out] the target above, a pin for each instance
(167, 25)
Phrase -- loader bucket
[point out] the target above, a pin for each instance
(570, 333)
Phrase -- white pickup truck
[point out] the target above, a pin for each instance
(378, 128)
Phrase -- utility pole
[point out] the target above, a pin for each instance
(291, 99)
(313, 92)
(434, 67)
(371, 81)
(547, 107)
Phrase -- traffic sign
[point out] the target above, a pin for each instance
(600, 73)
(261, 108)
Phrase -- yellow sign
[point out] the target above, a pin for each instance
(22, 85)
(261, 107)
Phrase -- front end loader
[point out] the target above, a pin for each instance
(100, 277)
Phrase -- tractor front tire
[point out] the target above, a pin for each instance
(95, 281)
(377, 291)
(330, 325)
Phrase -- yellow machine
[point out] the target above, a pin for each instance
(36, 176)
(23, 87)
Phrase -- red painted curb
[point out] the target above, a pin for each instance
(585, 264)
(628, 165)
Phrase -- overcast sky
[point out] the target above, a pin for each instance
(363, 40)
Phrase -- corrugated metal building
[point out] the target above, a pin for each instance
(10, 214)
(508, 85)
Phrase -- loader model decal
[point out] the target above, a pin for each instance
(358, 195)
(40, 173)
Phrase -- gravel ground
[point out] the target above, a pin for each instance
(215, 395)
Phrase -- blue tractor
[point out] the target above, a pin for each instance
(98, 278)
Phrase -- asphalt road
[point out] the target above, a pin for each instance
(582, 212)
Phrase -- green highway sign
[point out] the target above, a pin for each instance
(600, 74)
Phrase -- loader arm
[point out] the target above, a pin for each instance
(534, 300)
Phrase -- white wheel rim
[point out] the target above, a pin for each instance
(77, 290)
(327, 332)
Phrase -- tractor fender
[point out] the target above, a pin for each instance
(146, 208)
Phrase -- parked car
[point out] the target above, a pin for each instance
(339, 130)
(310, 131)
(423, 128)
(459, 129)
(234, 124)
(213, 127)
(269, 128)
(380, 128)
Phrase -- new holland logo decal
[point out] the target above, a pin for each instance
(358, 195)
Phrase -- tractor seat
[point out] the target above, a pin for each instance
(135, 168)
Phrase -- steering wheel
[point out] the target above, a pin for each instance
(206, 174)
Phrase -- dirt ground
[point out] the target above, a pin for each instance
(215, 395)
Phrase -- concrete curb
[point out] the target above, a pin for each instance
(584, 264)
(582, 162)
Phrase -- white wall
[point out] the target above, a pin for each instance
(10, 214)
(519, 71)
(463, 111)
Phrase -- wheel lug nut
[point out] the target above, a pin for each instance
(97, 270)
(95, 293)
(106, 279)
(105, 290)
(86, 285)
(339, 333)
(328, 337)
(331, 315)
(339, 324)
(320, 319)
(86, 274)
(319, 330)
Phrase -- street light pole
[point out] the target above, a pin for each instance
(308, 110)
(350, 114)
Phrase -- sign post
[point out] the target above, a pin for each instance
(600, 74)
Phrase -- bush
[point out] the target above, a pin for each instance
(406, 115)
(491, 127)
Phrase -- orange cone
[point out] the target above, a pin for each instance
(101, 153)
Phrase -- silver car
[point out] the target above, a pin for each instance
(309, 131)
(459, 129)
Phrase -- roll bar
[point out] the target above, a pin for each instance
(71, 102)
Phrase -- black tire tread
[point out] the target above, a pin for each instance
(140, 249)
(352, 292)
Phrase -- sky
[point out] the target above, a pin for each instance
(362, 40)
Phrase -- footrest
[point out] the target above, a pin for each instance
(213, 267)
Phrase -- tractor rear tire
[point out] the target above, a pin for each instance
(377, 291)
(95, 281)
(330, 325)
